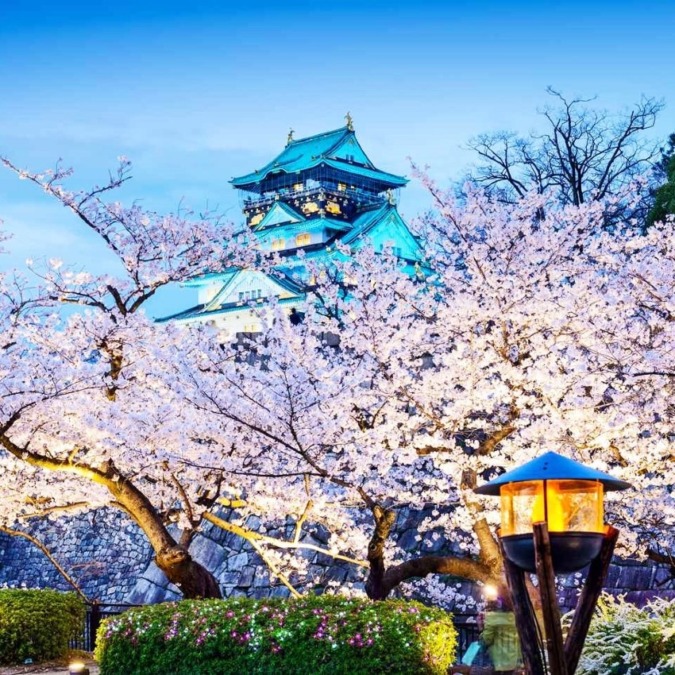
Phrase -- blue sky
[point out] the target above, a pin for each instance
(195, 93)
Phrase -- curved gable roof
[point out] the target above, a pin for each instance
(332, 148)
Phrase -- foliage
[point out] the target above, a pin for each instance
(314, 634)
(37, 624)
(626, 640)
(664, 196)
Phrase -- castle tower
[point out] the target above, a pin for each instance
(317, 191)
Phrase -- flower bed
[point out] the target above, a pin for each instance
(317, 634)
(626, 640)
(37, 624)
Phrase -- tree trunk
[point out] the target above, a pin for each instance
(384, 521)
(172, 557)
(193, 580)
(382, 580)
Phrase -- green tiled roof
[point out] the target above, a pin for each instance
(278, 214)
(327, 148)
(199, 312)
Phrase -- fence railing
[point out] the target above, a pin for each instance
(467, 631)
(466, 625)
(95, 613)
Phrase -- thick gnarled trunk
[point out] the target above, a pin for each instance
(172, 557)
(194, 580)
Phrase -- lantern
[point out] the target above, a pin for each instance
(78, 668)
(564, 494)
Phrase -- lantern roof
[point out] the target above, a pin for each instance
(552, 466)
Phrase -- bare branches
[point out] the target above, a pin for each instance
(37, 543)
(583, 154)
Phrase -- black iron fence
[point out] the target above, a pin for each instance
(467, 631)
(466, 625)
(96, 612)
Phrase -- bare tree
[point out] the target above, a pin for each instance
(585, 154)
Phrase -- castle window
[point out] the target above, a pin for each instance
(303, 239)
(310, 207)
(241, 296)
(342, 187)
(278, 244)
(298, 187)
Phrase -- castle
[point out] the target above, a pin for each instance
(319, 191)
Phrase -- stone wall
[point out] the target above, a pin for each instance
(112, 562)
(103, 551)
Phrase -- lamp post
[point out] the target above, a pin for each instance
(552, 522)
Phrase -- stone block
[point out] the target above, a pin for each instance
(207, 552)
(261, 578)
(321, 534)
(664, 577)
(635, 578)
(259, 593)
(237, 562)
(229, 578)
(253, 523)
(280, 592)
(154, 575)
(335, 573)
(323, 559)
(612, 576)
(246, 576)
(146, 593)
(355, 573)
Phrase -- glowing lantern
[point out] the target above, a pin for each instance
(564, 494)
(78, 668)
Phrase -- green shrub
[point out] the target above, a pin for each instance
(626, 640)
(37, 624)
(315, 634)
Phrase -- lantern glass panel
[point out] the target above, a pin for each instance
(522, 504)
(574, 506)
(566, 506)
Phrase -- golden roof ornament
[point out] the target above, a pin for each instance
(350, 122)
(289, 140)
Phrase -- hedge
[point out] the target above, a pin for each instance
(315, 634)
(37, 624)
(626, 640)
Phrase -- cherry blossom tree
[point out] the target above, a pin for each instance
(79, 400)
(527, 329)
(526, 334)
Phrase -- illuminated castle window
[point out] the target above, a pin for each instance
(298, 187)
(257, 218)
(342, 187)
(303, 239)
(278, 244)
(333, 207)
(310, 207)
